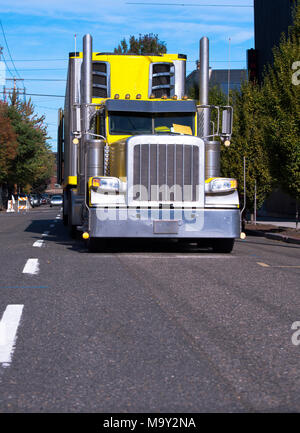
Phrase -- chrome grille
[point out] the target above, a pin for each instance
(165, 172)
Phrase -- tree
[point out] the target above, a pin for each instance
(33, 163)
(281, 103)
(8, 144)
(248, 141)
(144, 44)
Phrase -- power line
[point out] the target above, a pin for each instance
(47, 108)
(39, 94)
(43, 69)
(9, 51)
(7, 65)
(39, 79)
(37, 60)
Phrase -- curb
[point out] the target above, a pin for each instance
(274, 236)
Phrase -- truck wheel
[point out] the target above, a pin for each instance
(222, 245)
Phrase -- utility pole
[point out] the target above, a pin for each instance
(15, 90)
(255, 210)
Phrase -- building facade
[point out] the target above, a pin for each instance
(271, 19)
(218, 77)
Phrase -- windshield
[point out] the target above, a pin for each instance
(124, 123)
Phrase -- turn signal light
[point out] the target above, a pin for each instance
(96, 182)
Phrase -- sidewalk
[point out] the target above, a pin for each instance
(275, 228)
(279, 222)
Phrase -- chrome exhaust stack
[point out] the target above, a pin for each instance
(91, 149)
(86, 99)
(204, 87)
(212, 148)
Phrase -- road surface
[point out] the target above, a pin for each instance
(145, 326)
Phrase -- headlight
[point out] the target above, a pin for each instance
(220, 185)
(106, 184)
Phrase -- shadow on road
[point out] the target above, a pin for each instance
(252, 240)
(60, 234)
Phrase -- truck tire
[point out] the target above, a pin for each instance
(222, 245)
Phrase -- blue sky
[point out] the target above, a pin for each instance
(40, 34)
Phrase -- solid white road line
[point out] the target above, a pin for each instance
(38, 243)
(31, 267)
(8, 332)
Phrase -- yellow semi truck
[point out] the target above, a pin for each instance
(137, 158)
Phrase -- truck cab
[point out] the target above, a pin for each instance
(137, 157)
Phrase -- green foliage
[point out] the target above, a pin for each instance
(266, 123)
(29, 159)
(8, 144)
(144, 44)
(248, 141)
(281, 103)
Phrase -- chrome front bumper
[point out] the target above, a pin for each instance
(164, 223)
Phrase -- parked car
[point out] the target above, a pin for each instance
(56, 200)
(34, 200)
(46, 198)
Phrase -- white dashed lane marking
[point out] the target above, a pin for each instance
(45, 234)
(8, 332)
(31, 267)
(38, 243)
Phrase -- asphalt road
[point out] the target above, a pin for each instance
(146, 327)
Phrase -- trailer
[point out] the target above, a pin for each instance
(137, 158)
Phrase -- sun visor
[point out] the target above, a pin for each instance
(151, 106)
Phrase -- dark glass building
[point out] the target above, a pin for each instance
(271, 18)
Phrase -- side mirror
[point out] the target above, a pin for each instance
(227, 121)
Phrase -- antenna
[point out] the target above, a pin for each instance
(228, 91)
